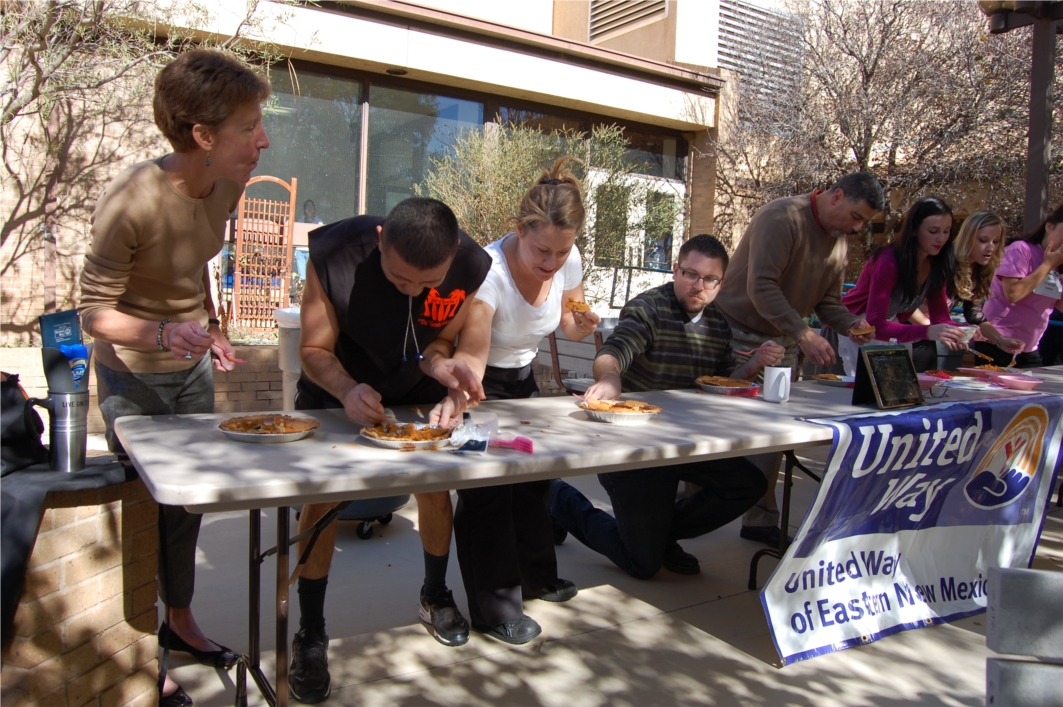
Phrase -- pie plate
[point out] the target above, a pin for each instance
(629, 419)
(401, 444)
(749, 391)
(255, 438)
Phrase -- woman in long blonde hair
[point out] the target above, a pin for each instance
(979, 251)
(535, 271)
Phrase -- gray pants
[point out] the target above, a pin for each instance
(766, 510)
(189, 391)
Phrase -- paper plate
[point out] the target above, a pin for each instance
(967, 384)
(983, 373)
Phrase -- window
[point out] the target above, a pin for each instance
(314, 124)
(610, 225)
(406, 130)
(654, 155)
(660, 222)
(543, 122)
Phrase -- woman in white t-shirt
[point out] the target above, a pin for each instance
(535, 271)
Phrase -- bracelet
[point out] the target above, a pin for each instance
(158, 335)
(213, 321)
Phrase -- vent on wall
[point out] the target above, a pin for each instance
(611, 17)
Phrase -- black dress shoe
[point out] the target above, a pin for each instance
(681, 562)
(224, 658)
(177, 698)
(767, 534)
(561, 590)
(516, 632)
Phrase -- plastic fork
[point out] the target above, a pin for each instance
(521, 444)
(751, 351)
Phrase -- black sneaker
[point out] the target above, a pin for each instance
(681, 562)
(561, 590)
(308, 678)
(516, 632)
(441, 613)
(767, 534)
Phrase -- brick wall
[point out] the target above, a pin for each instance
(85, 621)
(254, 386)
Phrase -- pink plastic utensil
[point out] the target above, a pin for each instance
(521, 444)
(580, 397)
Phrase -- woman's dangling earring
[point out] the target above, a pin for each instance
(208, 159)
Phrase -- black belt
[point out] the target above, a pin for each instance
(508, 375)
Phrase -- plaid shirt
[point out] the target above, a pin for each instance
(658, 347)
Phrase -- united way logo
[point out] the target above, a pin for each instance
(1010, 464)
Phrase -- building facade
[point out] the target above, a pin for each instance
(373, 90)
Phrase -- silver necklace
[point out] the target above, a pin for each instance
(406, 336)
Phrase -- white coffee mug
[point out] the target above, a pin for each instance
(776, 384)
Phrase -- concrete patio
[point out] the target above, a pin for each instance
(673, 640)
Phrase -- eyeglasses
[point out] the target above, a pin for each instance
(709, 283)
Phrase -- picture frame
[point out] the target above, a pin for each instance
(886, 378)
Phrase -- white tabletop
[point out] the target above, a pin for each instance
(184, 460)
(1053, 379)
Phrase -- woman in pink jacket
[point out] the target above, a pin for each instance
(919, 265)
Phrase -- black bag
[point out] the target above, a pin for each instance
(20, 428)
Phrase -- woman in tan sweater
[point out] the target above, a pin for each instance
(146, 290)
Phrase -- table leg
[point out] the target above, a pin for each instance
(788, 482)
(282, 606)
(251, 663)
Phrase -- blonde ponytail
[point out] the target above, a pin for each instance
(554, 200)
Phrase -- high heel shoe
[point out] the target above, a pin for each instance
(224, 658)
(177, 698)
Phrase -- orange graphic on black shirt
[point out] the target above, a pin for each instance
(439, 311)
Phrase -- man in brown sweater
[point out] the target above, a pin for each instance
(790, 263)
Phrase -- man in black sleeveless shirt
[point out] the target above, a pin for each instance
(382, 307)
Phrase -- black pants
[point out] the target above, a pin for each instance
(1051, 346)
(924, 355)
(647, 518)
(503, 533)
(1029, 359)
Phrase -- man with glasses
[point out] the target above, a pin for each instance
(666, 338)
(790, 263)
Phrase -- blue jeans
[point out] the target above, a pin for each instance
(648, 517)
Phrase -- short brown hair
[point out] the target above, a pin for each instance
(554, 200)
(204, 87)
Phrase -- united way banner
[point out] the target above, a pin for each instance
(914, 509)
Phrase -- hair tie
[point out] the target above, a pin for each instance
(552, 182)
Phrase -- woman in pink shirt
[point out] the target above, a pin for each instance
(917, 266)
(1025, 290)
